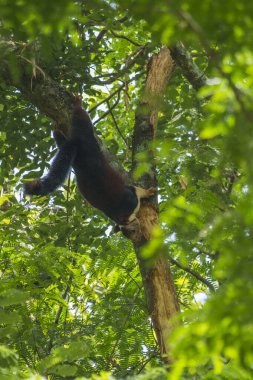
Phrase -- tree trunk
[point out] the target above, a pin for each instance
(157, 279)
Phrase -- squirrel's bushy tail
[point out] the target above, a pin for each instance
(57, 174)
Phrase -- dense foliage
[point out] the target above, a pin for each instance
(72, 303)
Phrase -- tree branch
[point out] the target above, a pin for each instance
(125, 38)
(108, 111)
(116, 124)
(193, 273)
(117, 91)
(47, 95)
(189, 68)
(129, 63)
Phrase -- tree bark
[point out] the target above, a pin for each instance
(36, 86)
(157, 279)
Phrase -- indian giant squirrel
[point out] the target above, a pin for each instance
(99, 183)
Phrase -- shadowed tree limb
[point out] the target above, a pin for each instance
(189, 68)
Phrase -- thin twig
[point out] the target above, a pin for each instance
(193, 273)
(104, 31)
(153, 355)
(118, 90)
(107, 112)
(108, 98)
(101, 35)
(125, 38)
(129, 62)
(213, 256)
(116, 124)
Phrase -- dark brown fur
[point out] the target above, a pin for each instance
(101, 185)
